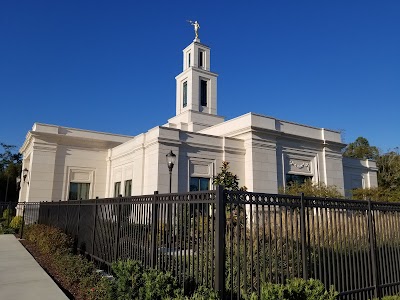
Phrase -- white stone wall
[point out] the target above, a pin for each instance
(359, 174)
(56, 156)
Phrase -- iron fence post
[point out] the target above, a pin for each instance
(23, 221)
(154, 216)
(116, 244)
(78, 225)
(220, 242)
(303, 237)
(94, 226)
(372, 242)
(58, 214)
(66, 218)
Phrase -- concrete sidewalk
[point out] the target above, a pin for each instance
(21, 277)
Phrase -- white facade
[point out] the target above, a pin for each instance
(264, 152)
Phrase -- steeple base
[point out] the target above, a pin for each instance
(194, 121)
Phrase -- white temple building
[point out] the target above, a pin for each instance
(63, 163)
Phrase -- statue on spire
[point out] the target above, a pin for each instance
(196, 26)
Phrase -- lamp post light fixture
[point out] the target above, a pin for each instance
(171, 157)
(25, 174)
(18, 182)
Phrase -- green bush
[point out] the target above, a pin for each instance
(158, 286)
(7, 217)
(16, 222)
(102, 290)
(204, 293)
(133, 282)
(7, 213)
(295, 289)
(76, 270)
(6, 230)
(311, 189)
(49, 240)
(396, 297)
(128, 278)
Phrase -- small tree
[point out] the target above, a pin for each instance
(230, 182)
(227, 179)
(10, 168)
(312, 190)
(361, 149)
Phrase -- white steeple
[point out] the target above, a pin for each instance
(196, 90)
(196, 86)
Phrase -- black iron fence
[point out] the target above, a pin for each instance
(235, 241)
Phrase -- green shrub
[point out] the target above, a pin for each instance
(49, 240)
(396, 297)
(6, 230)
(133, 282)
(16, 222)
(76, 270)
(128, 278)
(201, 293)
(158, 286)
(296, 289)
(102, 290)
(311, 189)
(7, 213)
(204, 293)
(7, 217)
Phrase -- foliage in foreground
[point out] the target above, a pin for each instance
(16, 223)
(388, 170)
(376, 194)
(131, 280)
(227, 179)
(295, 289)
(311, 189)
(10, 168)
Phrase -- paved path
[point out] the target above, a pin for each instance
(21, 277)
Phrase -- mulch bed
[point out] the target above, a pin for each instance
(72, 292)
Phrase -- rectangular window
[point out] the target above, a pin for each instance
(78, 191)
(199, 184)
(201, 58)
(185, 94)
(296, 179)
(189, 60)
(203, 92)
(117, 189)
(128, 188)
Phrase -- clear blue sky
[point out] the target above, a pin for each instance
(110, 65)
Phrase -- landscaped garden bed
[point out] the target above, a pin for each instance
(79, 279)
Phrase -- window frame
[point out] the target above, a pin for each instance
(184, 93)
(117, 184)
(203, 92)
(199, 179)
(129, 194)
(201, 58)
(78, 194)
(303, 176)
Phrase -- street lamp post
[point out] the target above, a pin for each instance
(171, 157)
